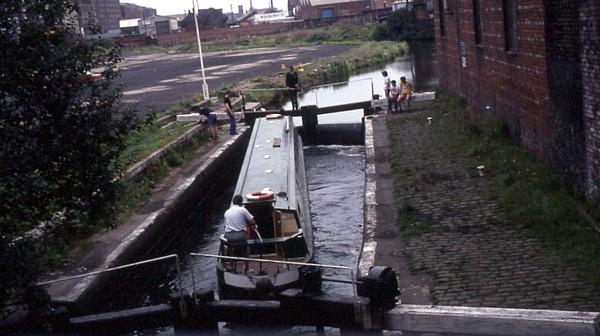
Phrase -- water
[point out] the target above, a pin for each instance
(336, 202)
(419, 68)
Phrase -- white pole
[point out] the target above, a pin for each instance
(205, 92)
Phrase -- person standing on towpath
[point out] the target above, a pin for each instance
(291, 82)
(211, 121)
(229, 110)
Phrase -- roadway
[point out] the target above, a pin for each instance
(153, 83)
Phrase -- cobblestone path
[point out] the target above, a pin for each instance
(459, 235)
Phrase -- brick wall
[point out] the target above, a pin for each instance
(536, 89)
(590, 64)
(513, 86)
(352, 7)
(224, 33)
(565, 85)
(236, 33)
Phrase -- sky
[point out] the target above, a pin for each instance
(168, 7)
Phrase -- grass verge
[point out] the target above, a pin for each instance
(337, 33)
(533, 196)
(135, 193)
(148, 139)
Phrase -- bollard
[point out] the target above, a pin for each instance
(381, 287)
(196, 316)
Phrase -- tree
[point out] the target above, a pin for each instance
(401, 25)
(60, 128)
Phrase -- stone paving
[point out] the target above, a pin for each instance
(460, 237)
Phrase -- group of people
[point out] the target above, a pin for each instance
(395, 93)
(210, 117)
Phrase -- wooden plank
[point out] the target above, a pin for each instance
(244, 304)
(123, 314)
(344, 107)
(492, 321)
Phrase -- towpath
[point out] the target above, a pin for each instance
(461, 251)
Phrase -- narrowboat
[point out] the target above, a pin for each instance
(272, 181)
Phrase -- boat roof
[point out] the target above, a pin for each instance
(270, 162)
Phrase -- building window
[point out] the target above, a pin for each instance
(441, 4)
(327, 13)
(510, 24)
(446, 5)
(477, 20)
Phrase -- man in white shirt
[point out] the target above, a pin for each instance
(237, 218)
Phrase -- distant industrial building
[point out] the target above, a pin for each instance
(157, 25)
(130, 27)
(104, 13)
(326, 9)
(207, 18)
(267, 15)
(150, 26)
(234, 18)
(133, 11)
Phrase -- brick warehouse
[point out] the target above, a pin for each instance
(534, 64)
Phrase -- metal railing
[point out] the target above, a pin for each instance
(315, 87)
(112, 269)
(294, 263)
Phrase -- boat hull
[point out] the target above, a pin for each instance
(249, 286)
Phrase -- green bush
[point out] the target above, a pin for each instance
(62, 129)
(381, 32)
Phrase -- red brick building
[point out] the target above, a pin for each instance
(535, 65)
(326, 9)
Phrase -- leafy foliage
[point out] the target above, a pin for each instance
(60, 128)
(401, 25)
